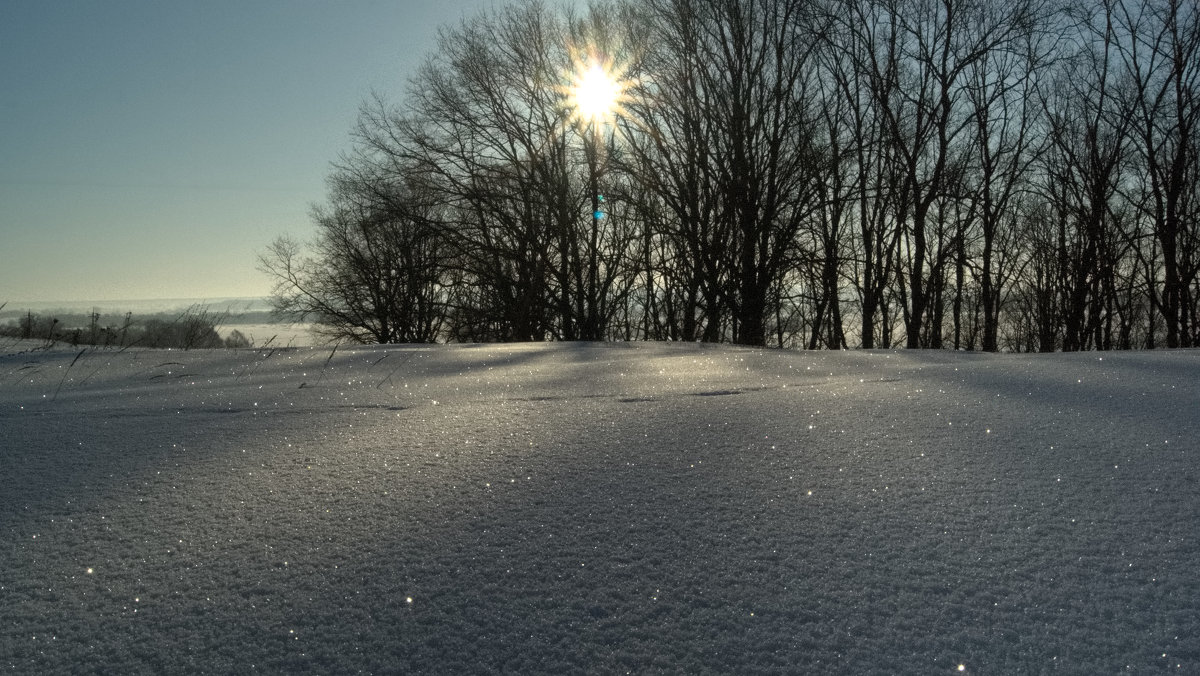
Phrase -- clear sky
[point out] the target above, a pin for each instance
(151, 149)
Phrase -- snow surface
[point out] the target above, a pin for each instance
(598, 508)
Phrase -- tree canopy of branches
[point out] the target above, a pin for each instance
(972, 174)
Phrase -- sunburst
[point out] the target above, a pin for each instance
(596, 91)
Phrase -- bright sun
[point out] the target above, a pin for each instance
(595, 93)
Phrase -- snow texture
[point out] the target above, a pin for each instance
(598, 508)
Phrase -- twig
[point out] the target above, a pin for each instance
(326, 364)
(68, 372)
(399, 366)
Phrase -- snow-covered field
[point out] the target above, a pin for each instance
(598, 508)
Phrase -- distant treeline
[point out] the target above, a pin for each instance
(194, 328)
(970, 174)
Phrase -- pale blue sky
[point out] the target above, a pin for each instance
(150, 149)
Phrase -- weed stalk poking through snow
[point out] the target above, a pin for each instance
(68, 372)
(325, 366)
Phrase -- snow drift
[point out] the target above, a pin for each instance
(598, 508)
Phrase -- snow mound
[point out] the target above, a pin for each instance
(598, 508)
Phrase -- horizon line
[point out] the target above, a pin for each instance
(10, 306)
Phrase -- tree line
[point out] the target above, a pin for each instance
(970, 174)
(194, 328)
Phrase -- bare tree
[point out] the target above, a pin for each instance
(916, 58)
(729, 152)
(1087, 133)
(375, 271)
(488, 127)
(1018, 175)
(859, 55)
(1160, 50)
(671, 146)
(1000, 97)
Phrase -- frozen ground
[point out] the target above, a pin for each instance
(585, 508)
